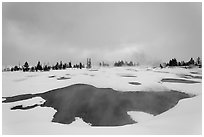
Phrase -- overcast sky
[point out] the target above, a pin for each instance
(144, 32)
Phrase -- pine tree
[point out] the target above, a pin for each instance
(191, 62)
(70, 65)
(39, 66)
(80, 65)
(198, 61)
(57, 66)
(60, 66)
(26, 66)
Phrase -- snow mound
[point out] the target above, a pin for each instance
(140, 116)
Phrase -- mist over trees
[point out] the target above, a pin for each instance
(191, 62)
(61, 65)
(123, 63)
(103, 64)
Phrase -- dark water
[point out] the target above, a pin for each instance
(101, 106)
(51, 76)
(174, 80)
(190, 76)
(128, 75)
(63, 78)
(134, 83)
(196, 73)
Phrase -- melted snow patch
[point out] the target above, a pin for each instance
(140, 116)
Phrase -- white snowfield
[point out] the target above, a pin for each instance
(184, 118)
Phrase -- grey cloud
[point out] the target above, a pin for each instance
(163, 30)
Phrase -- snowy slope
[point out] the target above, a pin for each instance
(184, 118)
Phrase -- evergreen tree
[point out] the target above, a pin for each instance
(60, 65)
(45, 68)
(70, 65)
(198, 61)
(191, 62)
(131, 63)
(16, 68)
(64, 66)
(26, 66)
(174, 62)
(170, 62)
(161, 66)
(39, 66)
(57, 66)
(80, 65)
(32, 69)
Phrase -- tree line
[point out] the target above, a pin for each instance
(39, 67)
(123, 63)
(60, 65)
(191, 62)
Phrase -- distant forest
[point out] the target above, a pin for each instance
(191, 62)
(60, 65)
(40, 67)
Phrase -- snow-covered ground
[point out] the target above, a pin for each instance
(184, 118)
